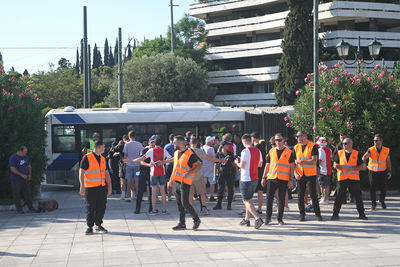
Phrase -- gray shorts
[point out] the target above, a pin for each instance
(324, 180)
(158, 180)
(247, 189)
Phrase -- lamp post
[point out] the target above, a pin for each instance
(374, 49)
(315, 65)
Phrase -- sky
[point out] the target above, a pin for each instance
(56, 27)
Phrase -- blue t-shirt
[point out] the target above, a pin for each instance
(171, 150)
(21, 164)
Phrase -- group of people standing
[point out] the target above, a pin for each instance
(184, 167)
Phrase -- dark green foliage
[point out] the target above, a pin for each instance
(106, 53)
(101, 105)
(297, 46)
(97, 62)
(77, 64)
(64, 63)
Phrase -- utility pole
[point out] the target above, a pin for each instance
(85, 60)
(89, 80)
(120, 95)
(316, 62)
(172, 27)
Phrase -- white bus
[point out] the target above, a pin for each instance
(69, 129)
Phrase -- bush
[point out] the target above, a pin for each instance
(360, 105)
(101, 105)
(21, 123)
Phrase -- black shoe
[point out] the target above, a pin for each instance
(267, 221)
(319, 218)
(101, 229)
(229, 207)
(302, 218)
(179, 227)
(136, 211)
(259, 211)
(362, 217)
(259, 222)
(383, 205)
(212, 199)
(20, 212)
(196, 224)
(335, 217)
(281, 223)
(217, 207)
(89, 231)
(244, 222)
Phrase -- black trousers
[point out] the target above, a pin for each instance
(21, 188)
(115, 182)
(144, 181)
(302, 184)
(378, 181)
(272, 185)
(229, 180)
(354, 188)
(182, 199)
(96, 200)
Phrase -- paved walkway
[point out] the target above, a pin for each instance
(57, 238)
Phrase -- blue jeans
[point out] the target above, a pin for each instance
(247, 189)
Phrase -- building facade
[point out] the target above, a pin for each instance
(245, 38)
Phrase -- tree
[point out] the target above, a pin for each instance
(163, 78)
(77, 64)
(297, 45)
(97, 62)
(64, 63)
(106, 53)
(158, 45)
(25, 73)
(129, 52)
(116, 52)
(111, 60)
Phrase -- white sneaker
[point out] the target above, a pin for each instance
(122, 195)
(275, 208)
(205, 211)
(169, 199)
(323, 202)
(287, 209)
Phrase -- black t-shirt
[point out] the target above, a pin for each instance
(145, 169)
(359, 158)
(85, 162)
(279, 153)
(261, 147)
(192, 160)
(226, 168)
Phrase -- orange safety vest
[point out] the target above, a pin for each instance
(96, 174)
(348, 174)
(377, 161)
(279, 168)
(181, 167)
(305, 169)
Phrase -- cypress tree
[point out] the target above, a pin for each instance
(96, 58)
(129, 56)
(116, 52)
(106, 53)
(297, 46)
(77, 64)
(111, 60)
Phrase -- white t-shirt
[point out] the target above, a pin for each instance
(245, 156)
(322, 161)
(149, 154)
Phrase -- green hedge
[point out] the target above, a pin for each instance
(21, 123)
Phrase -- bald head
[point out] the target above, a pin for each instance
(347, 144)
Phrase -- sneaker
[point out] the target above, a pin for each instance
(205, 211)
(244, 222)
(259, 212)
(212, 199)
(179, 227)
(164, 212)
(196, 224)
(319, 218)
(122, 196)
(101, 229)
(154, 212)
(362, 217)
(373, 207)
(310, 208)
(302, 218)
(242, 213)
(128, 199)
(275, 208)
(233, 199)
(383, 205)
(335, 217)
(281, 223)
(217, 207)
(267, 221)
(136, 211)
(323, 202)
(169, 199)
(89, 231)
(259, 222)
(287, 209)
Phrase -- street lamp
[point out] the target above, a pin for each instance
(343, 50)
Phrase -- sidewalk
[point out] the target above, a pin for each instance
(57, 238)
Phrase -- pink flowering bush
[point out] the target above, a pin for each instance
(21, 123)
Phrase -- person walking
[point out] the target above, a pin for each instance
(20, 175)
(132, 151)
(379, 170)
(208, 165)
(226, 175)
(250, 161)
(95, 185)
(260, 144)
(348, 163)
(325, 170)
(279, 169)
(186, 164)
(119, 152)
(306, 173)
(144, 180)
(170, 165)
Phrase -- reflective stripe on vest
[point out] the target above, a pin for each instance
(305, 169)
(343, 174)
(279, 168)
(181, 167)
(377, 161)
(95, 175)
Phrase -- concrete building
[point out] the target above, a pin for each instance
(245, 41)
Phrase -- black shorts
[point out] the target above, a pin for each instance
(324, 180)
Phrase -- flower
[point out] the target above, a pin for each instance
(289, 115)
(326, 127)
(287, 124)
(398, 91)
(311, 84)
(385, 127)
(336, 104)
(309, 75)
(337, 109)
(330, 141)
(383, 91)
(387, 99)
(336, 65)
(314, 127)
(324, 89)
(337, 80)
(376, 86)
(380, 76)
(369, 79)
(298, 115)
(305, 80)
(383, 122)
(331, 82)
(320, 100)
(329, 97)
(391, 77)
(10, 108)
(377, 67)
(285, 119)
(344, 97)
(348, 124)
(297, 92)
(393, 84)
(21, 95)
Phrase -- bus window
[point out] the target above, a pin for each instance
(64, 139)
(109, 136)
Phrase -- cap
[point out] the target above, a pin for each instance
(255, 135)
(223, 143)
(210, 138)
(187, 139)
(321, 141)
(114, 143)
(153, 138)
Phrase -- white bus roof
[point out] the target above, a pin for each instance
(154, 112)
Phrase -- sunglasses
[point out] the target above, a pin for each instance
(377, 140)
(345, 144)
(297, 136)
(278, 140)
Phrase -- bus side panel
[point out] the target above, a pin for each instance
(63, 169)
